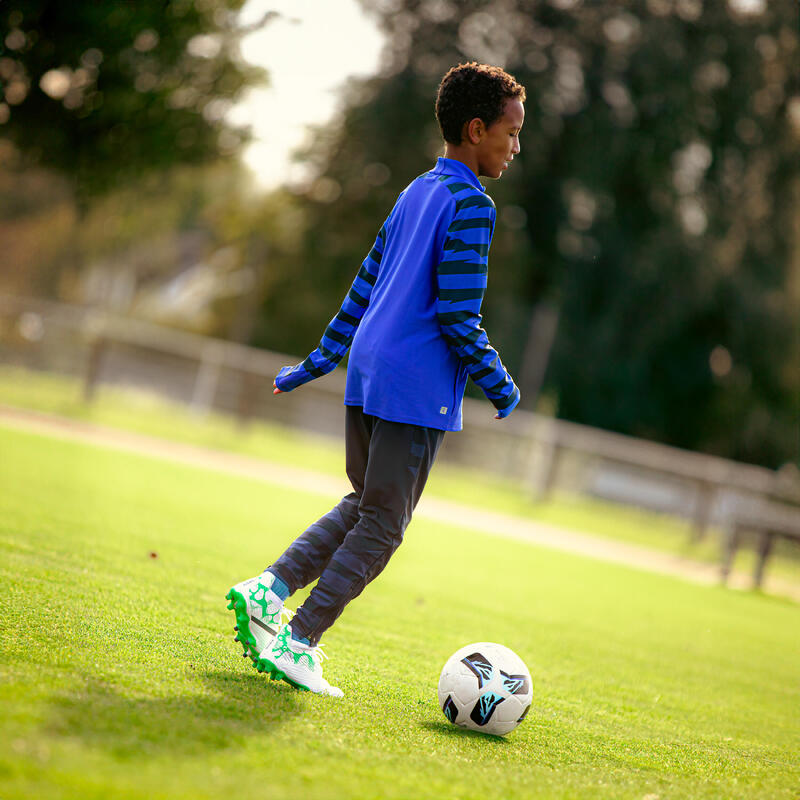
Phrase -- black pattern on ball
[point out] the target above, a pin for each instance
(482, 710)
(481, 666)
(450, 709)
(515, 684)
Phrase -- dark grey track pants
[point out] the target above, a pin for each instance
(388, 464)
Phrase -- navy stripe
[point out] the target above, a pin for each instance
(309, 367)
(462, 268)
(457, 246)
(357, 298)
(454, 295)
(453, 317)
(367, 276)
(471, 337)
(329, 355)
(483, 373)
(498, 387)
(470, 358)
(340, 338)
(348, 319)
(504, 402)
(474, 201)
(470, 224)
(458, 186)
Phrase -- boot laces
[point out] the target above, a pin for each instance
(316, 652)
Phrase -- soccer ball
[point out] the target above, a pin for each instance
(485, 687)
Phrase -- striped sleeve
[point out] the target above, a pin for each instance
(339, 334)
(461, 282)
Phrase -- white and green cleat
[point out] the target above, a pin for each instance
(258, 611)
(298, 664)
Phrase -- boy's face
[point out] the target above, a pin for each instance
(500, 141)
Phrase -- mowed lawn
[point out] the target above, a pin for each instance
(123, 408)
(119, 677)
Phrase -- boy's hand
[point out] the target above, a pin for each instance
(275, 389)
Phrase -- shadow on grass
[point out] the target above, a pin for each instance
(448, 730)
(774, 599)
(233, 707)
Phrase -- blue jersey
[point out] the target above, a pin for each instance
(411, 319)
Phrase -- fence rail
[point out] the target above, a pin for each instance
(542, 452)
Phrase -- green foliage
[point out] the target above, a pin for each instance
(654, 203)
(104, 92)
(119, 676)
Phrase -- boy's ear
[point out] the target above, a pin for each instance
(474, 131)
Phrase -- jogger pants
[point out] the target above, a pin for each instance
(388, 464)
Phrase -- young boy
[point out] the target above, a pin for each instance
(412, 324)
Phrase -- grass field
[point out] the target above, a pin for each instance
(147, 414)
(120, 679)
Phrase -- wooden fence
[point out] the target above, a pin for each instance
(541, 452)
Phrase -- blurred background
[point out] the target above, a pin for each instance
(187, 190)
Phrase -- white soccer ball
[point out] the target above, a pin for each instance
(485, 687)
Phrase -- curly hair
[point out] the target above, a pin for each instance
(473, 90)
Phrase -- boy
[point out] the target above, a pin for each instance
(412, 324)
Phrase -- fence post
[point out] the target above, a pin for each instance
(248, 396)
(548, 470)
(730, 543)
(205, 385)
(765, 541)
(706, 493)
(94, 363)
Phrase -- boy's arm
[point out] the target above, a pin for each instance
(461, 282)
(339, 334)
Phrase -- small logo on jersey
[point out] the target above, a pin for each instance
(443, 410)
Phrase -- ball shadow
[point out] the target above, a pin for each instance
(449, 730)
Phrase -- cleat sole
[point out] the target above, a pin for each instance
(277, 674)
(238, 605)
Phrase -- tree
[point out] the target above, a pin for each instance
(104, 92)
(654, 204)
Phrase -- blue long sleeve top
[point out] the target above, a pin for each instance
(411, 319)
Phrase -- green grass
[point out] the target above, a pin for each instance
(119, 676)
(148, 414)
